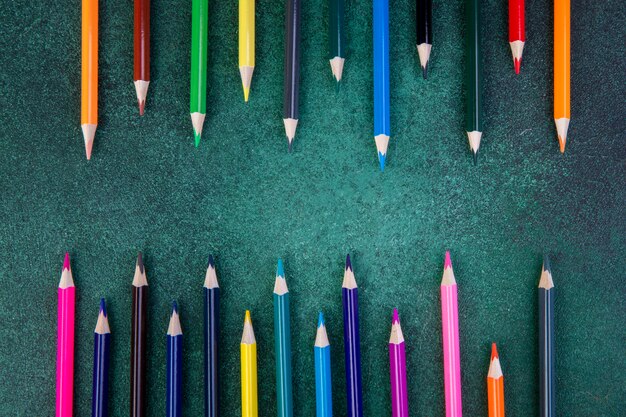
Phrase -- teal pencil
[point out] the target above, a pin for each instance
(282, 343)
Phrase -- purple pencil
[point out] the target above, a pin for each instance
(397, 369)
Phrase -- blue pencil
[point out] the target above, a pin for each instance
(282, 344)
(352, 344)
(211, 341)
(382, 129)
(323, 385)
(546, 342)
(174, 385)
(101, 350)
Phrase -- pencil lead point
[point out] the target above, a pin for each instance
(448, 262)
(103, 307)
(140, 262)
(494, 351)
(348, 263)
(289, 146)
(247, 318)
(517, 64)
(425, 71)
(141, 88)
(396, 319)
(320, 320)
(174, 307)
(66, 261)
(475, 157)
(381, 159)
(211, 262)
(142, 105)
(280, 270)
(546, 263)
(196, 137)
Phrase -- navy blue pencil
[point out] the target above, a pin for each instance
(101, 350)
(546, 342)
(351, 342)
(211, 341)
(174, 385)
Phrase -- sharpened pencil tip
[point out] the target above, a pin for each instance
(280, 270)
(142, 106)
(562, 144)
(103, 307)
(494, 351)
(348, 263)
(475, 157)
(174, 307)
(517, 64)
(396, 319)
(425, 72)
(289, 146)
(140, 262)
(381, 159)
(247, 318)
(546, 263)
(66, 261)
(448, 262)
(211, 262)
(320, 319)
(196, 138)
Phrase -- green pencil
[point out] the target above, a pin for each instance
(336, 37)
(282, 343)
(199, 33)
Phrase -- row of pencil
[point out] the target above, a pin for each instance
(336, 36)
(282, 337)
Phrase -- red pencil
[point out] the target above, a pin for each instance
(517, 31)
(141, 75)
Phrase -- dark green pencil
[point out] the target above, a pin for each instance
(336, 41)
(474, 78)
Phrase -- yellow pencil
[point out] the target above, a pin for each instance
(249, 399)
(246, 44)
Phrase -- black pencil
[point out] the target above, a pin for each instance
(292, 69)
(138, 342)
(424, 31)
(546, 341)
(211, 341)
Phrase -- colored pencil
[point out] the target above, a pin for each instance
(547, 388)
(141, 35)
(282, 344)
(474, 78)
(397, 370)
(246, 44)
(517, 31)
(450, 330)
(101, 353)
(199, 39)
(174, 382)
(249, 397)
(211, 342)
(65, 342)
(424, 31)
(495, 385)
(138, 341)
(562, 69)
(352, 344)
(336, 34)
(89, 73)
(292, 69)
(382, 123)
(323, 380)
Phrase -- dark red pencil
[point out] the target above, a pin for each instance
(517, 31)
(142, 51)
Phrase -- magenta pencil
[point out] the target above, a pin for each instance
(397, 369)
(65, 342)
(451, 351)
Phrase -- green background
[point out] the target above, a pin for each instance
(242, 197)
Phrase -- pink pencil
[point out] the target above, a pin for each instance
(451, 351)
(65, 342)
(397, 369)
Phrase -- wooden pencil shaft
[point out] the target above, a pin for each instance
(473, 69)
(141, 36)
(211, 351)
(138, 352)
(352, 347)
(174, 382)
(546, 353)
(100, 393)
(199, 39)
(282, 339)
(423, 21)
(292, 60)
(336, 34)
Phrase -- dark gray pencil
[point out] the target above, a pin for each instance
(292, 69)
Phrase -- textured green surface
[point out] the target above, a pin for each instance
(242, 197)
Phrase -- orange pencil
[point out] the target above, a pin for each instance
(561, 69)
(495, 385)
(89, 73)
